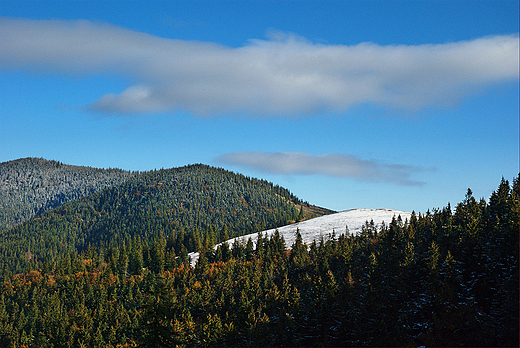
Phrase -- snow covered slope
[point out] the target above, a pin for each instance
(323, 226)
(314, 229)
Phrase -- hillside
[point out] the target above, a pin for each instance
(444, 278)
(188, 208)
(111, 269)
(324, 227)
(337, 223)
(309, 211)
(32, 186)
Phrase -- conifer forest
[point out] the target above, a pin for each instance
(101, 260)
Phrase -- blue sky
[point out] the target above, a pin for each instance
(348, 104)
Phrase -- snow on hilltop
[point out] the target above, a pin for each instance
(314, 229)
(323, 226)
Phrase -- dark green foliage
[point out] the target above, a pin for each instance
(186, 206)
(441, 279)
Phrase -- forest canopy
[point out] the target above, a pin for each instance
(73, 277)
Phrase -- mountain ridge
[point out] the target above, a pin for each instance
(31, 186)
(186, 207)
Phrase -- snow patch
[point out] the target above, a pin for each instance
(323, 227)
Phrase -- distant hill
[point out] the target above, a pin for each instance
(351, 221)
(189, 208)
(32, 186)
(323, 227)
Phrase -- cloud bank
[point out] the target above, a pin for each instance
(281, 75)
(335, 165)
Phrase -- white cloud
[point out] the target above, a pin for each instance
(335, 165)
(282, 75)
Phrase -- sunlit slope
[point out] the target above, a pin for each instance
(351, 220)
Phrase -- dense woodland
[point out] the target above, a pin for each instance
(32, 186)
(188, 208)
(72, 278)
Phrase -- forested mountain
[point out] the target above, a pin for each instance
(187, 208)
(444, 278)
(32, 186)
(111, 269)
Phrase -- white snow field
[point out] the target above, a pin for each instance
(323, 226)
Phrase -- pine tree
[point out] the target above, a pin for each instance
(299, 256)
